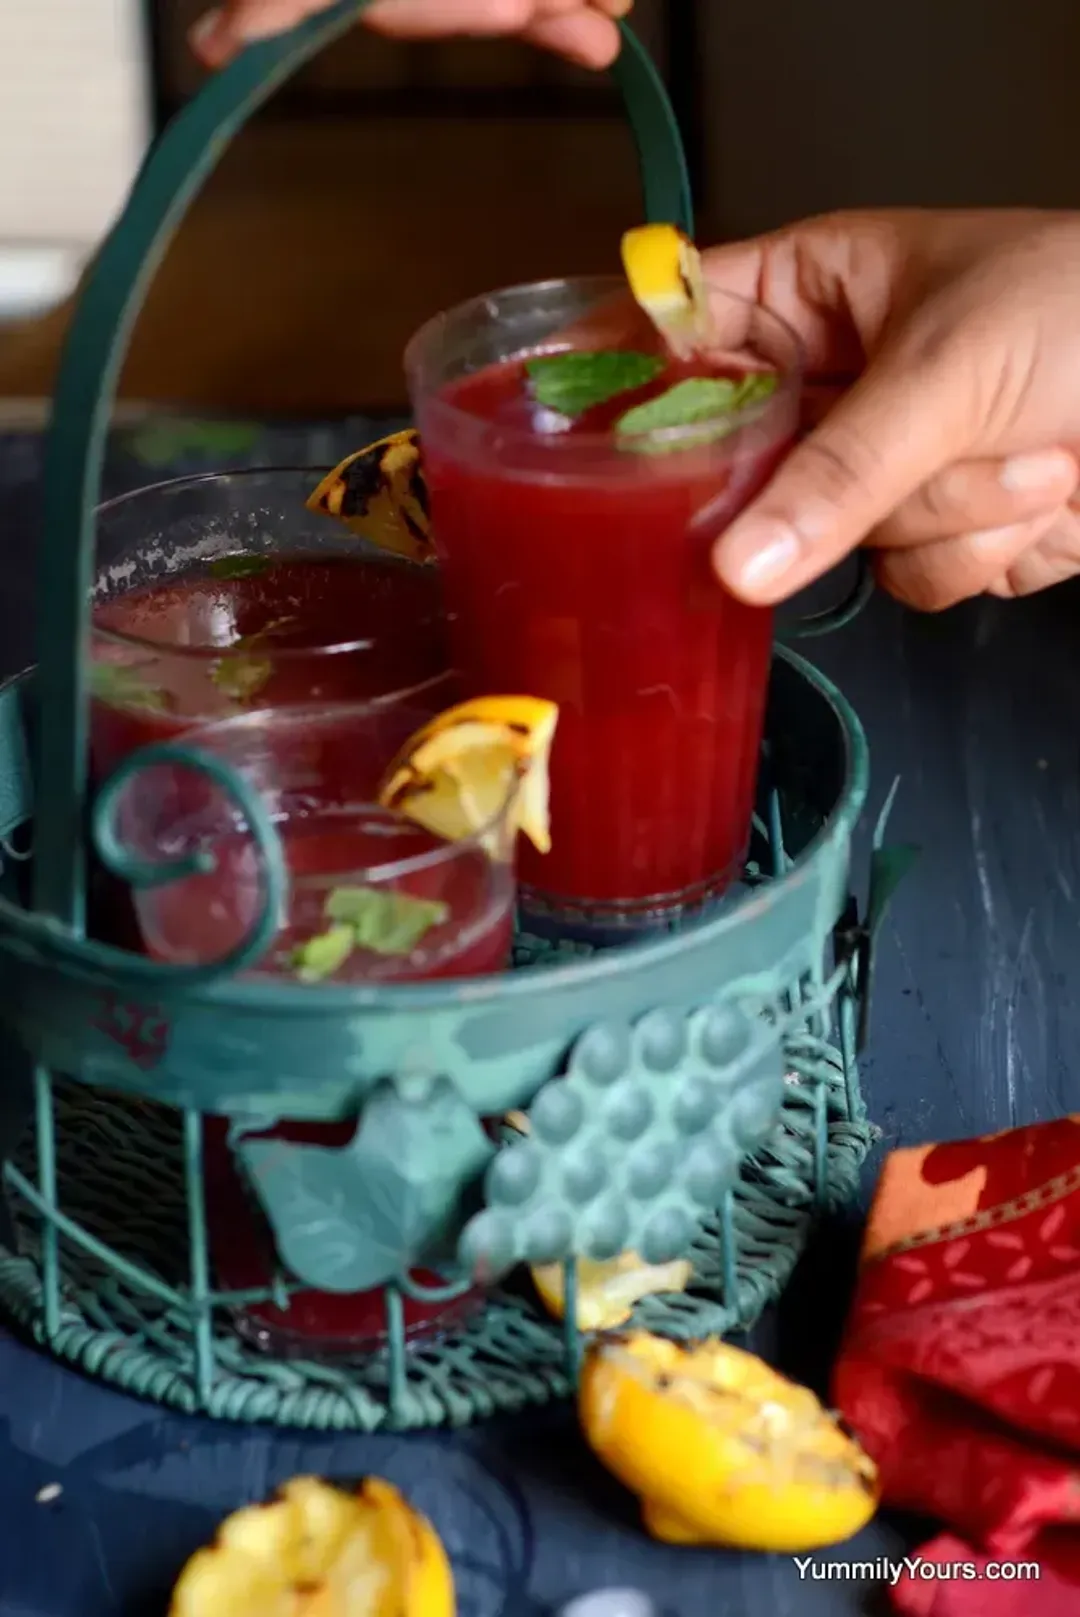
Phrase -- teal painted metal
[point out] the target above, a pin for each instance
(696, 1093)
(113, 294)
(711, 1075)
(265, 1051)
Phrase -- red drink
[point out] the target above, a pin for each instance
(249, 632)
(316, 770)
(579, 571)
(205, 916)
(474, 940)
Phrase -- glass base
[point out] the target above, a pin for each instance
(316, 1325)
(607, 923)
(331, 1328)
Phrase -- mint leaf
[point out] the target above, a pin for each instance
(267, 632)
(385, 921)
(322, 956)
(241, 678)
(239, 566)
(125, 687)
(712, 401)
(573, 383)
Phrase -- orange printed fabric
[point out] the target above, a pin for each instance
(960, 1368)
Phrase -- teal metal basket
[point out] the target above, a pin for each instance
(694, 1095)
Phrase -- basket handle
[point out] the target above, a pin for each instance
(112, 297)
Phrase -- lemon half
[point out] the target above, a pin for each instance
(316, 1551)
(720, 1448)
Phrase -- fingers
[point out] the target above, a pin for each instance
(976, 495)
(583, 30)
(935, 576)
(830, 278)
(221, 34)
(584, 36)
(1055, 558)
(421, 19)
(887, 436)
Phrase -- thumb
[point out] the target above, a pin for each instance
(898, 426)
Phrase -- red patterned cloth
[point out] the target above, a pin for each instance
(960, 1369)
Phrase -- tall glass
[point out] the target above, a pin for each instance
(579, 571)
(417, 908)
(218, 595)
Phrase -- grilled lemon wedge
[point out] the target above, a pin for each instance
(454, 776)
(380, 495)
(316, 1551)
(608, 1291)
(720, 1448)
(663, 268)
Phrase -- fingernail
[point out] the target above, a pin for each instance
(753, 563)
(1026, 474)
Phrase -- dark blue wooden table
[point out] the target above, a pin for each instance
(975, 1029)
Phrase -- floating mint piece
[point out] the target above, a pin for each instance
(385, 921)
(125, 687)
(712, 401)
(268, 631)
(573, 383)
(241, 678)
(239, 566)
(322, 956)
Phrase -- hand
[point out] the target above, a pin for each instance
(584, 31)
(949, 346)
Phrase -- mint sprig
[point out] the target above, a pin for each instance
(378, 919)
(323, 956)
(124, 686)
(240, 566)
(241, 678)
(714, 402)
(385, 921)
(572, 383)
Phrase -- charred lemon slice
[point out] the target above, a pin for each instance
(455, 775)
(607, 1292)
(664, 270)
(380, 495)
(720, 1448)
(316, 1551)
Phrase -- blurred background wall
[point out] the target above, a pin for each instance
(74, 120)
(389, 180)
(844, 103)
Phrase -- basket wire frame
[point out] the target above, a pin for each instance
(110, 1264)
(149, 1319)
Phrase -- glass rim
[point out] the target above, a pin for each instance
(317, 715)
(423, 339)
(166, 648)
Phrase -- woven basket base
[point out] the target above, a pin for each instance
(120, 1178)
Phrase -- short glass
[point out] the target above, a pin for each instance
(578, 571)
(316, 771)
(222, 594)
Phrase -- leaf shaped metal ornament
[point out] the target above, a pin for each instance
(350, 1218)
